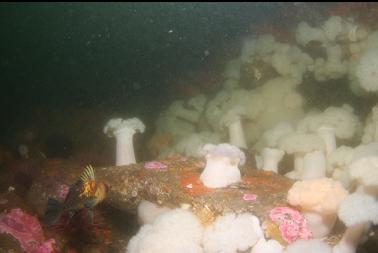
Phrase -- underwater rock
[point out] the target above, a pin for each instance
(10, 199)
(20, 174)
(6, 180)
(9, 244)
(55, 176)
(177, 184)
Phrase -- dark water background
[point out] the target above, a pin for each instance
(117, 59)
(119, 55)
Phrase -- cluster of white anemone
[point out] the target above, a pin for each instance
(179, 230)
(270, 119)
(240, 115)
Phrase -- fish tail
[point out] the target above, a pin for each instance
(53, 211)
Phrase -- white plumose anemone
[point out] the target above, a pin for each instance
(232, 233)
(356, 211)
(175, 231)
(123, 131)
(367, 71)
(221, 165)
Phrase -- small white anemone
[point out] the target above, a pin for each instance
(123, 131)
(232, 120)
(308, 149)
(364, 168)
(267, 145)
(175, 231)
(308, 246)
(270, 246)
(221, 165)
(367, 71)
(232, 233)
(356, 211)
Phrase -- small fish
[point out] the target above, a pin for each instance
(85, 193)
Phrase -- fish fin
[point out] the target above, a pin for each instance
(88, 174)
(91, 216)
(90, 202)
(53, 211)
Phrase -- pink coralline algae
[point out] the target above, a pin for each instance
(62, 191)
(155, 165)
(292, 224)
(249, 197)
(26, 230)
(46, 247)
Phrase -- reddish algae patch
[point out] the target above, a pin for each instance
(192, 185)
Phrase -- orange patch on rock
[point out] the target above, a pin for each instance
(193, 185)
(142, 174)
